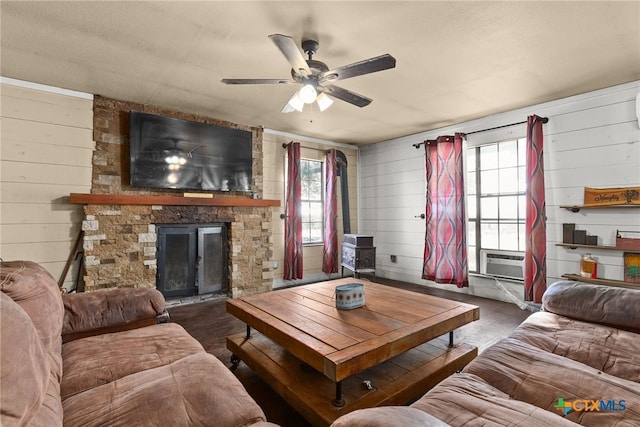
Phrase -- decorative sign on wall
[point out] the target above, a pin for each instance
(611, 196)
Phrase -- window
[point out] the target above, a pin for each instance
(496, 184)
(312, 201)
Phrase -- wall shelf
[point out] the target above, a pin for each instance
(576, 208)
(608, 282)
(130, 199)
(606, 248)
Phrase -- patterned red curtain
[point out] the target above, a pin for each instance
(535, 256)
(293, 218)
(330, 255)
(445, 248)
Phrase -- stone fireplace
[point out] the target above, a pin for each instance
(121, 223)
(120, 244)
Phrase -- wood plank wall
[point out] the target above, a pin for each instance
(591, 140)
(47, 144)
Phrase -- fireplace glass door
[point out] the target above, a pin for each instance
(211, 262)
(192, 259)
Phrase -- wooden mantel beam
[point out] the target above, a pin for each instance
(134, 199)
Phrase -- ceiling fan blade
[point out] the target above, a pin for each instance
(290, 50)
(347, 95)
(256, 81)
(371, 65)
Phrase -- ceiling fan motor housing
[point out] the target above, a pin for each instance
(316, 67)
(310, 47)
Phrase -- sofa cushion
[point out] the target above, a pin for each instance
(388, 416)
(97, 360)
(195, 390)
(468, 400)
(607, 305)
(95, 311)
(541, 378)
(24, 368)
(611, 350)
(36, 291)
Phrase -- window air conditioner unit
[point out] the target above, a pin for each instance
(506, 264)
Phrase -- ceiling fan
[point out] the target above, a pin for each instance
(316, 77)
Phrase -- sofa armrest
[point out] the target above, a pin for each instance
(606, 305)
(95, 313)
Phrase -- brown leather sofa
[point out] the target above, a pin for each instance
(101, 359)
(577, 362)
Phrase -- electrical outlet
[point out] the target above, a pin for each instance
(394, 258)
(274, 264)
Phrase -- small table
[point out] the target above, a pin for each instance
(326, 362)
(357, 271)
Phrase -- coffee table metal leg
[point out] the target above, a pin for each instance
(451, 339)
(235, 362)
(338, 401)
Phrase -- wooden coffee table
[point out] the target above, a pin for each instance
(327, 362)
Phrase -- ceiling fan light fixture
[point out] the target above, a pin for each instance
(308, 93)
(323, 101)
(294, 104)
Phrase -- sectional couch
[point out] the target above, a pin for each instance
(102, 359)
(577, 362)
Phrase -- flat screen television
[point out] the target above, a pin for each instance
(181, 154)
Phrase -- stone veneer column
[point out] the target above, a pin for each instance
(119, 247)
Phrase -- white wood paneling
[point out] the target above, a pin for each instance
(46, 134)
(34, 233)
(21, 192)
(591, 140)
(40, 252)
(47, 145)
(617, 133)
(48, 108)
(58, 214)
(35, 173)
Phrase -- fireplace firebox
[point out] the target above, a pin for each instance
(192, 259)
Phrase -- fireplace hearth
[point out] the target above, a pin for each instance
(121, 248)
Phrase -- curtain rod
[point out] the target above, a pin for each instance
(324, 150)
(543, 119)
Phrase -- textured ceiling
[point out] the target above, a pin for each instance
(456, 61)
